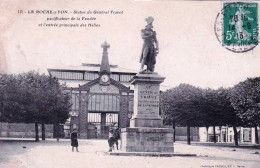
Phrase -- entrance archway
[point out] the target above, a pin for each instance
(103, 112)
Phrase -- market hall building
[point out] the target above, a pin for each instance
(101, 96)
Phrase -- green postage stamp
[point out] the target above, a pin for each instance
(236, 26)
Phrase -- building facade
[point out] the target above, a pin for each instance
(101, 96)
(226, 134)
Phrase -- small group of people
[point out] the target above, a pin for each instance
(113, 137)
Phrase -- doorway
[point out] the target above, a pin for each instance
(99, 124)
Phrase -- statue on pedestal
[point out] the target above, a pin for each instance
(150, 47)
(147, 133)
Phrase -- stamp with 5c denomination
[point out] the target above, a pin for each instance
(236, 26)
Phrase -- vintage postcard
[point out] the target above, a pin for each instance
(129, 83)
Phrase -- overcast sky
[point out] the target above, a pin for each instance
(189, 50)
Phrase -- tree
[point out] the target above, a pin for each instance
(168, 114)
(245, 98)
(10, 99)
(211, 110)
(37, 98)
(230, 118)
(181, 106)
(52, 101)
(218, 111)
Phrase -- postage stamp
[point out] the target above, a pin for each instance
(236, 26)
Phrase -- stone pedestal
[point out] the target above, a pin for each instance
(143, 139)
(146, 132)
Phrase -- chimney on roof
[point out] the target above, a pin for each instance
(105, 67)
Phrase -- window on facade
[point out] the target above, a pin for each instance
(94, 117)
(72, 75)
(247, 135)
(77, 75)
(115, 77)
(91, 75)
(67, 75)
(104, 103)
(111, 118)
(75, 101)
(125, 78)
(56, 74)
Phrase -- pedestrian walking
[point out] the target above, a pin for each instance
(111, 139)
(74, 140)
(58, 133)
(116, 135)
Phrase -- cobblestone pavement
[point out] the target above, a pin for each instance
(52, 154)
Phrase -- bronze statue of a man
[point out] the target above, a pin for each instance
(150, 46)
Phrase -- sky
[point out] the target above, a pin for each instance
(189, 50)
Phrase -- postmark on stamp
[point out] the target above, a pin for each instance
(236, 26)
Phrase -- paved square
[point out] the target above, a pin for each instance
(52, 154)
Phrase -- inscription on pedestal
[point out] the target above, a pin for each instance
(147, 99)
(154, 137)
(146, 132)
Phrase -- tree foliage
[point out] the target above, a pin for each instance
(181, 105)
(245, 98)
(187, 105)
(33, 98)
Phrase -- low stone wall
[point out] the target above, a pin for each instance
(21, 130)
(184, 138)
(181, 134)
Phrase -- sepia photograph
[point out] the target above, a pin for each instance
(129, 83)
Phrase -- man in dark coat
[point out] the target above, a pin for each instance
(149, 51)
(74, 140)
(116, 135)
(111, 139)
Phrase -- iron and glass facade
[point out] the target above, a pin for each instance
(97, 107)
